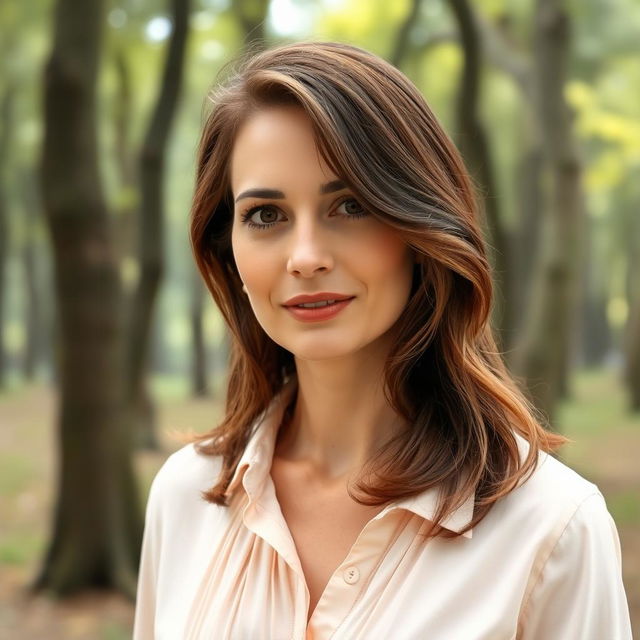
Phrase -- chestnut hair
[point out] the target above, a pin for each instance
(444, 375)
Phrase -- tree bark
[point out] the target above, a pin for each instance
(35, 317)
(547, 342)
(97, 524)
(474, 145)
(595, 336)
(6, 127)
(125, 161)
(151, 231)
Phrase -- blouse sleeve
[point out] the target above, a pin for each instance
(145, 611)
(579, 594)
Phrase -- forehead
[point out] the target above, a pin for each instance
(276, 147)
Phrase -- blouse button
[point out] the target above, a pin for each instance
(351, 575)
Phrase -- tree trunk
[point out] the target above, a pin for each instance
(6, 128)
(527, 241)
(97, 526)
(595, 336)
(595, 339)
(546, 346)
(475, 149)
(32, 350)
(522, 248)
(402, 44)
(151, 231)
(125, 166)
(632, 334)
(251, 15)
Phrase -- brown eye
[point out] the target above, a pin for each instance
(267, 215)
(351, 208)
(260, 217)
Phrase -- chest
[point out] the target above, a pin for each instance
(233, 579)
(324, 525)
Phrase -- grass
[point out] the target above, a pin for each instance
(597, 404)
(606, 441)
(624, 506)
(20, 547)
(113, 631)
(17, 473)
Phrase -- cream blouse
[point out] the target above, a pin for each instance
(544, 564)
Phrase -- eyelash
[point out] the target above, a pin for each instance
(248, 213)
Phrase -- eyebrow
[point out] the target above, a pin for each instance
(275, 194)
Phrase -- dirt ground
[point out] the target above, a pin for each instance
(607, 456)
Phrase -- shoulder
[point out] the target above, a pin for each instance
(571, 507)
(531, 518)
(552, 478)
(561, 521)
(182, 477)
(553, 491)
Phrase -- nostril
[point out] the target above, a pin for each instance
(308, 269)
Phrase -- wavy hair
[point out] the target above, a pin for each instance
(444, 376)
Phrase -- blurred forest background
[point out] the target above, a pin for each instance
(110, 347)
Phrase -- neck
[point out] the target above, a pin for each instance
(341, 415)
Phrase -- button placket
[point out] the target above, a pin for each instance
(347, 583)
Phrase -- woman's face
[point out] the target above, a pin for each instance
(297, 230)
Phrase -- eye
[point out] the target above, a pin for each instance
(351, 208)
(260, 217)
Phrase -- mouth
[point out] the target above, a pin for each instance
(319, 304)
(317, 300)
(318, 310)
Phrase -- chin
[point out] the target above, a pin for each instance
(323, 347)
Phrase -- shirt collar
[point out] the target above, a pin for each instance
(255, 465)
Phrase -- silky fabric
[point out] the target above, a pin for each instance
(544, 564)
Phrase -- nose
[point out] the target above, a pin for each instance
(310, 252)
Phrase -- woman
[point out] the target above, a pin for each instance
(377, 474)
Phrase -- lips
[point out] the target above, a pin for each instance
(316, 297)
(322, 311)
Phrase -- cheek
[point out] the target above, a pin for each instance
(256, 268)
(246, 260)
(390, 262)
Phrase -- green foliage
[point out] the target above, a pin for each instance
(605, 72)
(613, 124)
(371, 24)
